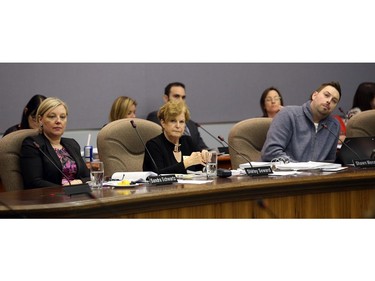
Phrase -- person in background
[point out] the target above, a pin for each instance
(123, 107)
(28, 119)
(308, 132)
(364, 99)
(176, 92)
(172, 151)
(342, 134)
(271, 102)
(38, 152)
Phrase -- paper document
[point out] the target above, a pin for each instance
(135, 177)
(284, 173)
(194, 181)
(300, 166)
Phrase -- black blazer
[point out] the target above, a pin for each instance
(194, 133)
(38, 171)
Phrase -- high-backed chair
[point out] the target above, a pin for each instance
(119, 146)
(362, 124)
(247, 137)
(10, 152)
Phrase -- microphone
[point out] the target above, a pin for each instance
(240, 154)
(252, 171)
(159, 179)
(71, 189)
(342, 111)
(361, 163)
(343, 143)
(144, 145)
(199, 126)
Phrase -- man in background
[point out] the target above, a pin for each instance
(176, 92)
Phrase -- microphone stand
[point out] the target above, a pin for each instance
(159, 179)
(71, 189)
(360, 163)
(252, 171)
(200, 126)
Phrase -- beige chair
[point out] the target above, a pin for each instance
(361, 125)
(247, 137)
(119, 146)
(10, 148)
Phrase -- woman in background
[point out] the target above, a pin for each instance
(28, 120)
(44, 157)
(172, 151)
(123, 107)
(271, 102)
(364, 99)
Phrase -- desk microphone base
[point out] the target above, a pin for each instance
(77, 189)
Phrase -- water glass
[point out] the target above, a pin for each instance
(211, 166)
(97, 174)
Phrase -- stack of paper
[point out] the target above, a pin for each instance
(300, 166)
(132, 176)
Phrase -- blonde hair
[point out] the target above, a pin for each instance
(121, 107)
(48, 104)
(172, 109)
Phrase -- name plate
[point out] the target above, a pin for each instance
(160, 180)
(367, 163)
(258, 171)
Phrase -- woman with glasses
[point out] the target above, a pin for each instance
(28, 120)
(271, 102)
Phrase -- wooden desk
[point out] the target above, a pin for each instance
(347, 194)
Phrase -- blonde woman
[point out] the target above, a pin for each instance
(43, 154)
(173, 151)
(123, 107)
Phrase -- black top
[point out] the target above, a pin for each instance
(193, 129)
(162, 151)
(38, 171)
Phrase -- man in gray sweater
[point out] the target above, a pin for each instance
(308, 132)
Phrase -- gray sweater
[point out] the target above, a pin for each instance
(292, 135)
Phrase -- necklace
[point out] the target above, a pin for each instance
(176, 148)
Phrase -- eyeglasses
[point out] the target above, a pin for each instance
(272, 99)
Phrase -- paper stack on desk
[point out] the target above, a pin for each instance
(301, 166)
(132, 176)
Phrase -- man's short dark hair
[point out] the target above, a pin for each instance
(334, 84)
(167, 89)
